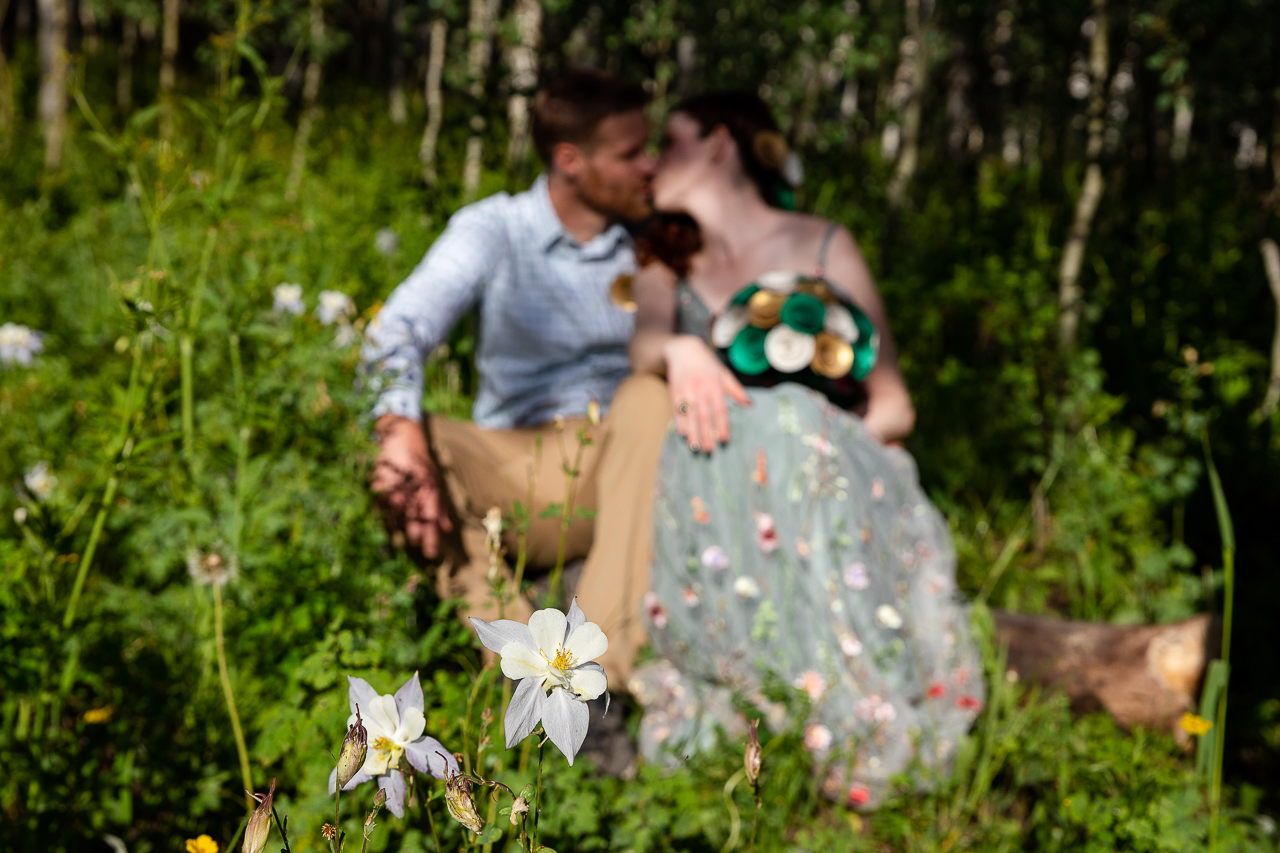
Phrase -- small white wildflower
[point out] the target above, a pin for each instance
(386, 241)
(216, 567)
(39, 481)
(19, 344)
(746, 587)
(334, 307)
(345, 336)
(287, 299)
(20, 515)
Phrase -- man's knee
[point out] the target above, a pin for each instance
(642, 402)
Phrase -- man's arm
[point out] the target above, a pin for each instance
(416, 319)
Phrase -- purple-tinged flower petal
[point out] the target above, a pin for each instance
(428, 755)
(565, 720)
(524, 711)
(575, 617)
(361, 692)
(360, 778)
(410, 695)
(495, 635)
(393, 783)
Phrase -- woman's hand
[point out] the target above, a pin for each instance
(698, 383)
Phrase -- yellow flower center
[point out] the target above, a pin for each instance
(563, 660)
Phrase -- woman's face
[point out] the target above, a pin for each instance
(684, 163)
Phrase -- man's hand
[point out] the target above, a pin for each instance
(407, 484)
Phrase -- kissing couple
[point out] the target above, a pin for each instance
(751, 515)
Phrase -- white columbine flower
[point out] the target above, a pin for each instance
(19, 344)
(551, 659)
(788, 350)
(335, 306)
(287, 299)
(386, 241)
(394, 725)
(39, 481)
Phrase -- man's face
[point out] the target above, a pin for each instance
(617, 168)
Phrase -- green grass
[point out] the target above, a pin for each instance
(112, 716)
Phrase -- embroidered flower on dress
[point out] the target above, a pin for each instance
(887, 616)
(746, 587)
(760, 476)
(855, 576)
(937, 690)
(654, 610)
(812, 683)
(690, 597)
(875, 709)
(39, 481)
(766, 533)
(968, 703)
(877, 489)
(850, 645)
(859, 795)
(802, 548)
(700, 514)
(715, 558)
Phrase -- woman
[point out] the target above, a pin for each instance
(790, 541)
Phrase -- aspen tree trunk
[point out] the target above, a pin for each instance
(1271, 263)
(53, 79)
(435, 103)
(88, 27)
(480, 28)
(1070, 296)
(124, 64)
(915, 62)
(6, 91)
(310, 112)
(523, 59)
(172, 9)
(399, 111)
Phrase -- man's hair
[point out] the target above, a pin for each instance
(571, 106)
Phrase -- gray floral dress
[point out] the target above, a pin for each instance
(805, 552)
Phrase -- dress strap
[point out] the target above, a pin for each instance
(821, 269)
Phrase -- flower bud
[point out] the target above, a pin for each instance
(519, 809)
(378, 800)
(751, 756)
(354, 748)
(593, 412)
(457, 796)
(259, 826)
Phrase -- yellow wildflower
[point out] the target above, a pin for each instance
(203, 844)
(98, 715)
(1194, 724)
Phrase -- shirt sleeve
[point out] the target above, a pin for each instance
(421, 311)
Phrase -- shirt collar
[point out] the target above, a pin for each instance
(548, 230)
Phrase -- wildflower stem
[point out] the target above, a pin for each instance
(229, 695)
(534, 844)
(337, 818)
(1226, 531)
(524, 523)
(280, 826)
(755, 820)
(566, 512)
(431, 823)
(185, 347)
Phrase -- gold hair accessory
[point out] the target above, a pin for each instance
(622, 293)
(764, 309)
(832, 357)
(770, 150)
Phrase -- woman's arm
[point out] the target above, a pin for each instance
(890, 414)
(698, 382)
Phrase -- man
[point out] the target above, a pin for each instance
(551, 346)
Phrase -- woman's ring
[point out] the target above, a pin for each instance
(683, 408)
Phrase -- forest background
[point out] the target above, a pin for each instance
(1069, 206)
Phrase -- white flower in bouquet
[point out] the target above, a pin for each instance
(728, 324)
(335, 307)
(551, 658)
(287, 299)
(386, 241)
(787, 350)
(396, 743)
(839, 321)
(779, 281)
(19, 344)
(39, 481)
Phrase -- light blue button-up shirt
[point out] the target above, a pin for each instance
(550, 339)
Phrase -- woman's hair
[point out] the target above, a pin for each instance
(673, 238)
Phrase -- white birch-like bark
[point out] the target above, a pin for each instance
(1070, 295)
(1271, 263)
(310, 111)
(523, 59)
(480, 28)
(124, 64)
(172, 10)
(53, 78)
(399, 109)
(88, 27)
(435, 102)
(912, 70)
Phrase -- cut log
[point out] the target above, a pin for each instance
(1143, 675)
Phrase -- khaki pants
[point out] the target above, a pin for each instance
(496, 468)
